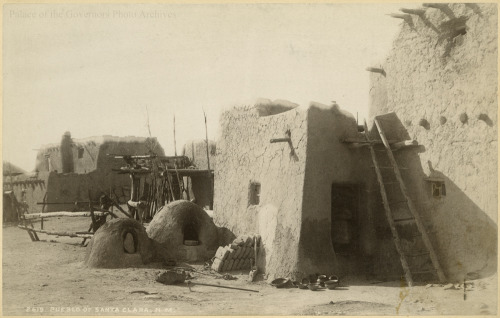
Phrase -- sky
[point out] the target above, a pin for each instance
(102, 69)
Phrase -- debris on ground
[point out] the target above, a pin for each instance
(171, 277)
(190, 284)
(229, 277)
(449, 286)
(152, 297)
(281, 283)
(433, 285)
(142, 292)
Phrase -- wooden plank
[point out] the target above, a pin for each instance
(70, 234)
(65, 203)
(435, 179)
(395, 145)
(61, 213)
(361, 141)
(388, 214)
(117, 156)
(411, 206)
(191, 172)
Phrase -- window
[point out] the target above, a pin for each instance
(438, 188)
(80, 153)
(254, 193)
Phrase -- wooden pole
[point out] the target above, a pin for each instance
(179, 180)
(175, 143)
(110, 192)
(255, 251)
(169, 181)
(211, 202)
(92, 216)
(189, 283)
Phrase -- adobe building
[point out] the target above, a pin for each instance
(66, 171)
(304, 180)
(287, 191)
(440, 80)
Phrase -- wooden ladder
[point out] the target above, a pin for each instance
(406, 200)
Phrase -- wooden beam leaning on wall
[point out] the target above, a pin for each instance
(395, 145)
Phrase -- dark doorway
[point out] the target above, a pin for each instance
(344, 229)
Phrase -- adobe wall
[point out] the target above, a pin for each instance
(196, 151)
(245, 155)
(199, 186)
(54, 157)
(438, 76)
(70, 187)
(94, 152)
(34, 192)
(94, 171)
(328, 161)
(88, 161)
(123, 146)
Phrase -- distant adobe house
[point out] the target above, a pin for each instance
(200, 185)
(66, 171)
(10, 204)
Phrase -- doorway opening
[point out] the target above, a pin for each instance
(190, 234)
(344, 218)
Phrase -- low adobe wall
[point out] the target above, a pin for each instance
(443, 89)
(93, 171)
(69, 187)
(34, 191)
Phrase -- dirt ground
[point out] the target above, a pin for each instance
(49, 278)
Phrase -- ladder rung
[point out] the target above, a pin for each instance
(400, 168)
(397, 202)
(404, 220)
(394, 165)
(425, 272)
(417, 255)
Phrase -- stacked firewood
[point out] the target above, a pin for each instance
(240, 254)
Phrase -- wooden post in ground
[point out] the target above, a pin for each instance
(211, 198)
(175, 144)
(92, 216)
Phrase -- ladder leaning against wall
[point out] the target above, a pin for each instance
(402, 200)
